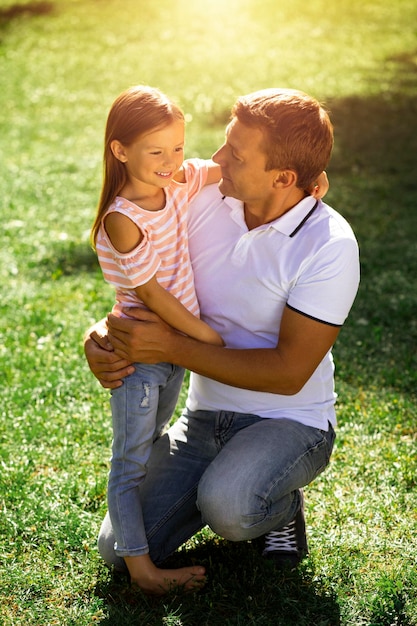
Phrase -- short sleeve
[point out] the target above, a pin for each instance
(327, 286)
(127, 271)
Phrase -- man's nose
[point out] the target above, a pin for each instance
(217, 156)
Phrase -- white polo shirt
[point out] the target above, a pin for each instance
(307, 259)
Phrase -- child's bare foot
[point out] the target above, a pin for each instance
(155, 581)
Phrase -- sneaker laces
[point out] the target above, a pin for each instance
(282, 540)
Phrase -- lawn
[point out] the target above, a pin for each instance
(62, 63)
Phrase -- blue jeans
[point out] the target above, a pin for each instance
(236, 472)
(140, 410)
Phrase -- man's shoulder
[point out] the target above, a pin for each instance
(339, 225)
(209, 193)
(209, 211)
(207, 198)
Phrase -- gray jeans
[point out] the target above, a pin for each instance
(236, 472)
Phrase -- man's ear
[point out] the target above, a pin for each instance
(118, 150)
(285, 178)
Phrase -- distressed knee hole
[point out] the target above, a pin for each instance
(145, 401)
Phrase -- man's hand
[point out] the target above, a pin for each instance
(143, 337)
(107, 366)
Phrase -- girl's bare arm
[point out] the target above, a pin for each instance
(125, 236)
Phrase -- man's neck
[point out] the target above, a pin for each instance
(257, 215)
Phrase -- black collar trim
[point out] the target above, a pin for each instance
(303, 221)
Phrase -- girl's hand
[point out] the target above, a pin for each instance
(321, 186)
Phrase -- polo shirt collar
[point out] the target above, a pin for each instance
(288, 224)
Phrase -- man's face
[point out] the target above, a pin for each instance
(243, 162)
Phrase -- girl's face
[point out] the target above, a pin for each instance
(154, 158)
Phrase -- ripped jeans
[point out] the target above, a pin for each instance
(237, 472)
(141, 408)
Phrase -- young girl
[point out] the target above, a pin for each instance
(140, 235)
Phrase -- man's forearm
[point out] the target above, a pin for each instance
(147, 339)
(285, 369)
(256, 369)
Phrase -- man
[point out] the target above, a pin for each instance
(276, 273)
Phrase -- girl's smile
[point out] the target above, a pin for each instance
(154, 158)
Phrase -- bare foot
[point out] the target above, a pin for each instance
(156, 581)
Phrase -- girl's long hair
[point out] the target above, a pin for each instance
(136, 111)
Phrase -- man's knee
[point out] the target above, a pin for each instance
(224, 514)
(237, 511)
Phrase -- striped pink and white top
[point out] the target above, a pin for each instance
(163, 250)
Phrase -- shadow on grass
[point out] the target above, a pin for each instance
(67, 259)
(389, 610)
(30, 9)
(373, 176)
(376, 135)
(242, 588)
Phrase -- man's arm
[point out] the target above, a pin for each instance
(303, 343)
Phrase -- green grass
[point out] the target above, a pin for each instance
(62, 63)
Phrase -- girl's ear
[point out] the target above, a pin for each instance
(118, 151)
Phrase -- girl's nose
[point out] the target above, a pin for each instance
(169, 161)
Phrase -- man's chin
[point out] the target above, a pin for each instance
(225, 188)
